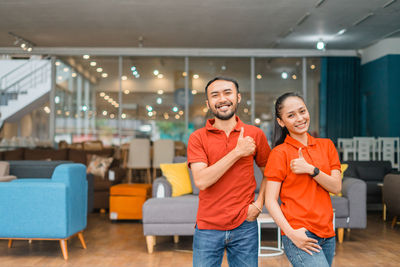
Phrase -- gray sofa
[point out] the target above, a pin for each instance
(25, 169)
(164, 215)
(372, 173)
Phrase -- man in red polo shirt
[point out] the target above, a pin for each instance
(221, 156)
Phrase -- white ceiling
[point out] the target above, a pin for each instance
(198, 24)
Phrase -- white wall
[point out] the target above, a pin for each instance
(390, 46)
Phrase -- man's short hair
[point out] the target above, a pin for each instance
(221, 78)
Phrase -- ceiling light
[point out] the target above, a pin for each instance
(23, 45)
(196, 76)
(156, 72)
(294, 77)
(245, 110)
(73, 74)
(99, 69)
(223, 67)
(133, 68)
(205, 110)
(137, 76)
(388, 3)
(159, 100)
(124, 78)
(112, 116)
(160, 92)
(123, 115)
(58, 63)
(175, 109)
(66, 69)
(284, 75)
(257, 121)
(110, 100)
(86, 56)
(150, 113)
(160, 76)
(149, 108)
(117, 105)
(66, 113)
(126, 92)
(102, 94)
(93, 63)
(180, 112)
(363, 19)
(194, 92)
(259, 76)
(135, 72)
(319, 3)
(320, 45)
(57, 99)
(59, 78)
(184, 74)
(84, 108)
(104, 75)
(46, 109)
(177, 116)
(29, 49)
(341, 32)
(166, 116)
(312, 66)
(106, 97)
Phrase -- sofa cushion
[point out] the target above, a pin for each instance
(34, 168)
(341, 206)
(177, 175)
(101, 184)
(159, 210)
(371, 173)
(17, 154)
(99, 165)
(45, 154)
(195, 189)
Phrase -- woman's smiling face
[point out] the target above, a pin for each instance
(294, 116)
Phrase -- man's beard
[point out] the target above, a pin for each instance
(226, 116)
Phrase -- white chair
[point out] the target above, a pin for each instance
(346, 147)
(163, 152)
(389, 150)
(139, 157)
(265, 218)
(365, 148)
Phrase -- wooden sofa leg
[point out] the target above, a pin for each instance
(394, 221)
(64, 249)
(176, 239)
(340, 235)
(150, 240)
(80, 236)
(10, 243)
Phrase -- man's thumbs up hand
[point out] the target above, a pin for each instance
(245, 145)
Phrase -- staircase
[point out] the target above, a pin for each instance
(24, 89)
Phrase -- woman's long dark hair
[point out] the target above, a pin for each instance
(280, 133)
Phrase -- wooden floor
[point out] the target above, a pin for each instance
(123, 244)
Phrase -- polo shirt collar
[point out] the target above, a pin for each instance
(210, 125)
(291, 141)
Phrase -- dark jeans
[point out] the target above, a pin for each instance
(300, 258)
(241, 246)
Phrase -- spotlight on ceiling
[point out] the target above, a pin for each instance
(321, 45)
(25, 44)
(284, 75)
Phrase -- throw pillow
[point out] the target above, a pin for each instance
(177, 175)
(99, 165)
(343, 168)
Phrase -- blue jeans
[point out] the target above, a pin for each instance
(241, 246)
(299, 257)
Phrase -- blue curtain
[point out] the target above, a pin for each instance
(340, 97)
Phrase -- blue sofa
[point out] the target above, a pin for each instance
(45, 209)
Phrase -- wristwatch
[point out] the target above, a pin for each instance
(316, 172)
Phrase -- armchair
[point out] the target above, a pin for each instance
(45, 209)
(351, 207)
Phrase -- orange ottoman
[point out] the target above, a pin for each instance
(126, 201)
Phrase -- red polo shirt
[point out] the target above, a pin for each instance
(304, 202)
(223, 206)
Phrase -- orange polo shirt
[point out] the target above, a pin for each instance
(304, 202)
(223, 205)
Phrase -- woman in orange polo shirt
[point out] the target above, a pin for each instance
(302, 170)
